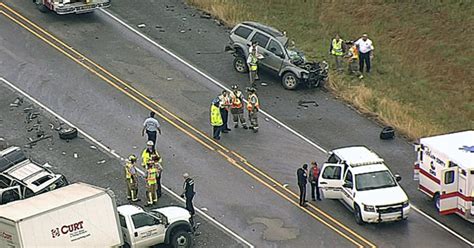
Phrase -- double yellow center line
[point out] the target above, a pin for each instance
(232, 157)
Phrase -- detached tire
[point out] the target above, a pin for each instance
(181, 239)
(68, 133)
(358, 216)
(290, 81)
(240, 64)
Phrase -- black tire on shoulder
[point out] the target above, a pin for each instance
(181, 239)
(290, 81)
(358, 215)
(240, 64)
(68, 133)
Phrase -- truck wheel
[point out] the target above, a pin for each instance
(436, 201)
(290, 81)
(358, 215)
(240, 64)
(181, 239)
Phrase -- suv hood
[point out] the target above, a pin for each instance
(384, 196)
(174, 214)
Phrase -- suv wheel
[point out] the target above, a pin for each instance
(358, 215)
(290, 81)
(181, 239)
(240, 64)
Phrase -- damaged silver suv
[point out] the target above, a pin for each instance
(289, 63)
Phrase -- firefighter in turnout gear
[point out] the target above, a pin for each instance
(237, 106)
(131, 178)
(253, 106)
(151, 175)
(156, 160)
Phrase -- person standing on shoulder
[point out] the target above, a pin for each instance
(216, 120)
(151, 184)
(313, 179)
(253, 107)
(366, 52)
(337, 50)
(302, 175)
(188, 194)
(237, 107)
(156, 160)
(353, 56)
(252, 62)
(224, 104)
(131, 178)
(151, 126)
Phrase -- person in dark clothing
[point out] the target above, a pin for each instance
(302, 175)
(313, 180)
(188, 194)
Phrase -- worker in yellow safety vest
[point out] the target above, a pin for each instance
(157, 164)
(237, 106)
(131, 178)
(337, 50)
(353, 59)
(216, 119)
(253, 106)
(148, 152)
(252, 62)
(151, 183)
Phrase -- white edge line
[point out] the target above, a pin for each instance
(263, 112)
(106, 148)
(442, 226)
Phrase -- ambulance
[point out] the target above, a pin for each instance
(445, 171)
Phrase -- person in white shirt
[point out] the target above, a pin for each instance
(151, 126)
(366, 52)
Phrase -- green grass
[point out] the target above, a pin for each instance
(422, 82)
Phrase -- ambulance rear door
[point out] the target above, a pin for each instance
(448, 196)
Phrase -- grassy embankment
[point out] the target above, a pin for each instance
(423, 76)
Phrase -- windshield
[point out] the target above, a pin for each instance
(374, 180)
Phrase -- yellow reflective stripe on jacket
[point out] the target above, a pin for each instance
(253, 62)
(128, 165)
(337, 47)
(216, 118)
(151, 178)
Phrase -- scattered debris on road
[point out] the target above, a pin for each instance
(206, 15)
(17, 102)
(264, 84)
(101, 161)
(304, 103)
(93, 147)
(141, 25)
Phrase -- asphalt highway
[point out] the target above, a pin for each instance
(110, 78)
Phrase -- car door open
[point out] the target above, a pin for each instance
(330, 181)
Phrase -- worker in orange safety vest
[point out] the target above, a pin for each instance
(237, 106)
(253, 107)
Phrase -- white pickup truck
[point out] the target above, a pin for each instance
(82, 215)
(361, 180)
(168, 225)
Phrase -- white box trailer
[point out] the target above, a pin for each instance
(445, 170)
(78, 215)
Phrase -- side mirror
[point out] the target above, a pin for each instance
(347, 185)
(398, 178)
